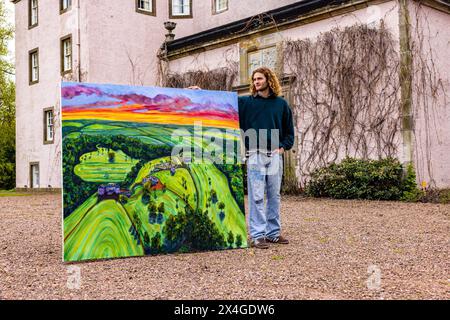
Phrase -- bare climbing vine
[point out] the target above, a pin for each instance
(345, 96)
(429, 95)
(215, 79)
(222, 78)
(258, 21)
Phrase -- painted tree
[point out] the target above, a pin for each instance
(152, 212)
(137, 221)
(238, 241)
(213, 196)
(111, 156)
(230, 239)
(221, 206)
(156, 243)
(146, 240)
(145, 199)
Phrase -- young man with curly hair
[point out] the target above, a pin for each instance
(266, 120)
(270, 116)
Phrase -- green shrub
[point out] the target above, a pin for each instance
(444, 196)
(363, 179)
(410, 191)
(7, 176)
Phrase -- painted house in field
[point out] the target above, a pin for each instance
(368, 79)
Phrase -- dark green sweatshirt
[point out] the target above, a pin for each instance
(256, 112)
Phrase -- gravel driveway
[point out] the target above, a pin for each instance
(338, 250)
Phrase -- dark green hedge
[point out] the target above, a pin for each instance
(364, 179)
(7, 176)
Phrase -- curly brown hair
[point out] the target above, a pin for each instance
(272, 80)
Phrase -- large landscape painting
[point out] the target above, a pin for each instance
(129, 189)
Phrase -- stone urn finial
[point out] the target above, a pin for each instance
(170, 26)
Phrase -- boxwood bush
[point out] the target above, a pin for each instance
(363, 179)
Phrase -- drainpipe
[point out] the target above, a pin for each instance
(79, 41)
(406, 66)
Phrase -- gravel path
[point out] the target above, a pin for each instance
(334, 246)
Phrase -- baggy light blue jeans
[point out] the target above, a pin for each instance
(264, 174)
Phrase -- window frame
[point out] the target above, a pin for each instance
(264, 42)
(64, 10)
(260, 50)
(30, 66)
(62, 54)
(150, 13)
(214, 7)
(178, 16)
(46, 125)
(30, 14)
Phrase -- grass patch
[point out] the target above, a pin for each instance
(13, 193)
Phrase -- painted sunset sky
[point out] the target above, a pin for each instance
(81, 101)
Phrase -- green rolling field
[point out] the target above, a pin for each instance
(234, 220)
(102, 233)
(96, 166)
